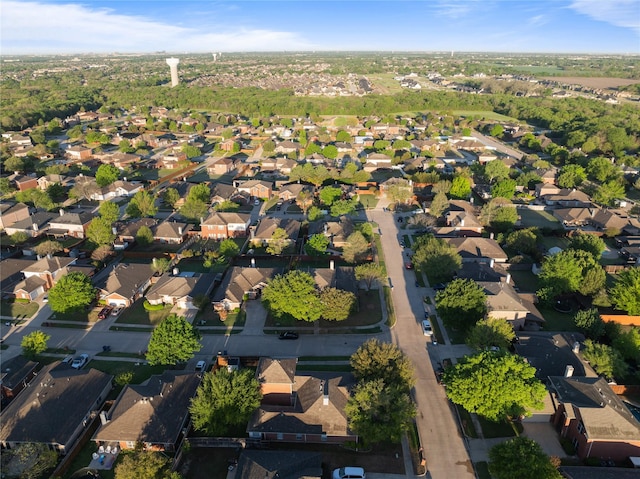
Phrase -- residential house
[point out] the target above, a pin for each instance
(279, 464)
(568, 198)
(300, 407)
(337, 230)
(117, 189)
(377, 160)
(172, 161)
(224, 192)
(181, 289)
(78, 153)
(461, 219)
(257, 188)
(52, 411)
(17, 139)
(594, 418)
(33, 226)
(41, 276)
(11, 273)
(290, 192)
(478, 249)
(124, 284)
(504, 302)
(572, 218)
(221, 166)
(603, 220)
(229, 145)
(240, 282)
(126, 232)
(544, 189)
(70, 224)
(171, 232)
(16, 373)
(46, 181)
(287, 146)
(24, 182)
(155, 413)
(123, 160)
(223, 225)
(267, 226)
(10, 213)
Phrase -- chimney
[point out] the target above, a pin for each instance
(61, 211)
(154, 261)
(325, 400)
(253, 262)
(201, 220)
(491, 263)
(491, 236)
(35, 226)
(180, 230)
(568, 371)
(114, 230)
(176, 271)
(103, 418)
(332, 265)
(576, 347)
(124, 179)
(508, 280)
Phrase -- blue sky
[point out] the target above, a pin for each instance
(561, 26)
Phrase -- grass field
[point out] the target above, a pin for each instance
(487, 114)
(541, 219)
(136, 314)
(18, 310)
(384, 83)
(368, 201)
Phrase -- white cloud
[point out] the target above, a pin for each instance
(538, 20)
(34, 27)
(457, 9)
(621, 13)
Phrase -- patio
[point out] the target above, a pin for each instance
(104, 457)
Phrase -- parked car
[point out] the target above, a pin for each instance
(80, 361)
(256, 202)
(288, 335)
(349, 473)
(116, 311)
(45, 299)
(104, 312)
(201, 366)
(408, 265)
(426, 327)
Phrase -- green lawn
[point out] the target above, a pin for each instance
(467, 424)
(488, 114)
(557, 321)
(18, 310)
(368, 201)
(541, 219)
(492, 429)
(90, 316)
(370, 312)
(525, 281)
(208, 317)
(553, 241)
(136, 314)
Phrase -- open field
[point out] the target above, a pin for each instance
(487, 114)
(594, 82)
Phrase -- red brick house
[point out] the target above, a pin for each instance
(594, 418)
(222, 225)
(257, 188)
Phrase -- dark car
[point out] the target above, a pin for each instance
(104, 312)
(288, 335)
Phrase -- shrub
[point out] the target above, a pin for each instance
(124, 378)
(21, 300)
(152, 307)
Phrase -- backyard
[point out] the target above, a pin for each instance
(541, 219)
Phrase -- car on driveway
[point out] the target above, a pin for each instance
(349, 473)
(80, 361)
(288, 335)
(426, 328)
(408, 265)
(104, 312)
(116, 311)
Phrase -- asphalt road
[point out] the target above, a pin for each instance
(499, 146)
(443, 444)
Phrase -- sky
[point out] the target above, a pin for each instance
(181, 26)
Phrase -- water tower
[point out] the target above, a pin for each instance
(173, 65)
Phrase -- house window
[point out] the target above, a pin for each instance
(323, 438)
(581, 428)
(575, 444)
(280, 436)
(298, 437)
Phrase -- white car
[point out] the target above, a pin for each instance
(349, 473)
(80, 361)
(426, 328)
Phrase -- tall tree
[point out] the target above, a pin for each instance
(494, 385)
(587, 242)
(491, 332)
(568, 271)
(72, 292)
(142, 205)
(439, 204)
(106, 174)
(229, 248)
(337, 304)
(170, 197)
(496, 170)
(225, 401)
(34, 343)
(625, 293)
(435, 257)
(304, 200)
(48, 247)
(370, 272)
(523, 458)
(174, 340)
(109, 211)
(499, 214)
(100, 231)
(607, 361)
(461, 304)
(460, 188)
(355, 247)
(278, 242)
(504, 189)
(293, 294)
(144, 236)
(329, 194)
(571, 176)
(317, 245)
(589, 321)
(144, 465)
(375, 359)
(343, 207)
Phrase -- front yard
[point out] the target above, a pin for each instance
(17, 310)
(136, 314)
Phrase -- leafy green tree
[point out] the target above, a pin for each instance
(337, 304)
(14, 163)
(227, 205)
(491, 332)
(435, 257)
(304, 200)
(268, 146)
(461, 304)
(56, 192)
(330, 151)
(160, 265)
(109, 211)
(317, 245)
(144, 236)
(19, 237)
(523, 241)
(494, 385)
(571, 176)
(37, 197)
(497, 131)
(343, 207)
(174, 340)
(106, 175)
(439, 205)
(6, 186)
(566, 271)
(605, 360)
(370, 272)
(504, 189)
(199, 192)
(278, 242)
(144, 465)
(225, 401)
(608, 192)
(35, 460)
(72, 292)
(142, 205)
(589, 321)
(343, 136)
(355, 248)
(194, 209)
(601, 169)
(587, 242)
(34, 343)
(625, 293)
(496, 170)
(293, 294)
(125, 147)
(499, 214)
(100, 232)
(399, 190)
(378, 413)
(48, 247)
(460, 188)
(329, 194)
(523, 458)
(375, 359)
(314, 213)
(191, 151)
(229, 248)
(170, 197)
(627, 343)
